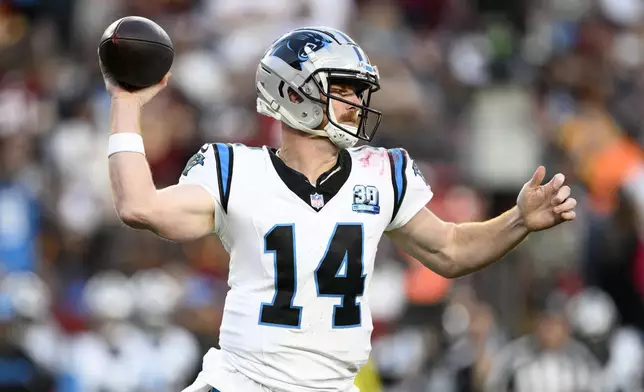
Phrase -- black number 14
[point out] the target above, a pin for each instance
(339, 275)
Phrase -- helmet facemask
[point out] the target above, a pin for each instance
(364, 86)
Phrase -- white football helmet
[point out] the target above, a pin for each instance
(294, 78)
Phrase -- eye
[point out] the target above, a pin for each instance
(337, 91)
(344, 92)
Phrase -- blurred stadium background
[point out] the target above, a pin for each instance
(479, 91)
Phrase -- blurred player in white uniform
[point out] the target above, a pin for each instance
(172, 352)
(109, 357)
(36, 329)
(302, 223)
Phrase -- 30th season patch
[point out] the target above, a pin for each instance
(366, 199)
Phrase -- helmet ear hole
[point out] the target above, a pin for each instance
(294, 96)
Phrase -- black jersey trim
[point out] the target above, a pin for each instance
(327, 185)
(224, 154)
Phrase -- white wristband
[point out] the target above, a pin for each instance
(125, 142)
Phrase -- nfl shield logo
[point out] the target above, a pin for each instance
(317, 201)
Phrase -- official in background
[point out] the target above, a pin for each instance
(548, 360)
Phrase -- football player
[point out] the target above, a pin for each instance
(302, 223)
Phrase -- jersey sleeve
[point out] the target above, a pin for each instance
(411, 191)
(211, 168)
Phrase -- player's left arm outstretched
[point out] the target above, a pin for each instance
(454, 250)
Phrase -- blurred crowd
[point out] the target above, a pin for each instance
(480, 92)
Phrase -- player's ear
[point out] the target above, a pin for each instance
(294, 96)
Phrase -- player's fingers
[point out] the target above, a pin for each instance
(568, 215)
(562, 194)
(146, 94)
(567, 205)
(557, 181)
(538, 176)
(162, 84)
(110, 85)
(107, 78)
(100, 65)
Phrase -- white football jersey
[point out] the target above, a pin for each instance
(296, 317)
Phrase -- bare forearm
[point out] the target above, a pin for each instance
(130, 176)
(476, 245)
(454, 250)
(181, 212)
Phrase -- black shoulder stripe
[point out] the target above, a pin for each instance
(398, 162)
(225, 157)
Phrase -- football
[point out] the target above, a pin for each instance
(135, 52)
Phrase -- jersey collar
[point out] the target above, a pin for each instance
(326, 186)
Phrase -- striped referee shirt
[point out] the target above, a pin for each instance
(523, 366)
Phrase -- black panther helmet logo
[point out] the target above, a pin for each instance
(291, 48)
